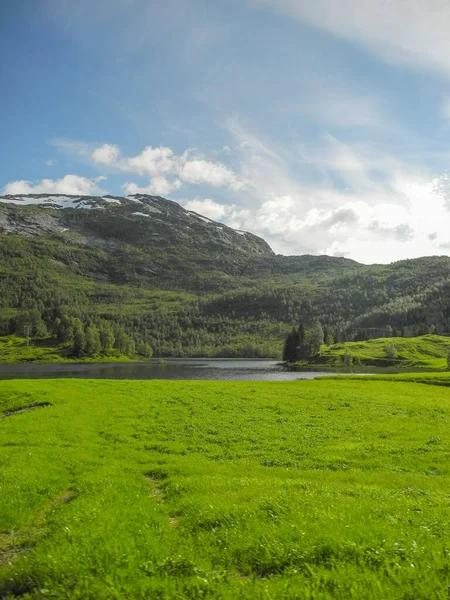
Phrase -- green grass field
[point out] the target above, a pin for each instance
(311, 489)
(14, 349)
(426, 351)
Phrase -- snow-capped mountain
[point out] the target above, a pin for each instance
(100, 220)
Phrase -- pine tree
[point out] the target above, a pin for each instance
(290, 350)
(301, 334)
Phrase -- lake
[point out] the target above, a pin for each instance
(227, 369)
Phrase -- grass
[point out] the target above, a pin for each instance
(426, 351)
(312, 489)
(15, 349)
(432, 378)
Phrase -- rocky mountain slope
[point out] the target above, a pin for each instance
(109, 221)
(155, 237)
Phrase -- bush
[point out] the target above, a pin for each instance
(391, 351)
(348, 358)
(145, 350)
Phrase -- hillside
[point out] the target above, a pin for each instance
(428, 351)
(186, 285)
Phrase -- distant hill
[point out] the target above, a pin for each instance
(427, 351)
(187, 285)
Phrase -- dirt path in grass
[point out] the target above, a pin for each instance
(17, 411)
(158, 493)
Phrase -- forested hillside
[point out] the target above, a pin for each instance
(143, 274)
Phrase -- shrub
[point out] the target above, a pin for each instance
(348, 358)
(145, 350)
(391, 351)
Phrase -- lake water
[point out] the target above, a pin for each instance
(219, 369)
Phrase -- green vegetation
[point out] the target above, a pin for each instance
(40, 293)
(427, 351)
(314, 489)
(301, 344)
(177, 286)
(14, 349)
(427, 378)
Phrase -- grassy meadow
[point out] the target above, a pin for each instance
(426, 351)
(14, 349)
(171, 489)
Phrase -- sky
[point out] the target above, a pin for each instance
(322, 126)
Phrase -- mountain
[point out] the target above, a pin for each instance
(155, 228)
(187, 285)
(138, 219)
(146, 239)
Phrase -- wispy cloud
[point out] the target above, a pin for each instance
(333, 102)
(328, 148)
(136, 24)
(445, 109)
(325, 196)
(400, 31)
(75, 149)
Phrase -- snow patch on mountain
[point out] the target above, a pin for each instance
(58, 201)
(112, 200)
(51, 201)
(153, 209)
(163, 210)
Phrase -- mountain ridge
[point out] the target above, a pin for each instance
(59, 201)
(154, 225)
(188, 285)
(139, 206)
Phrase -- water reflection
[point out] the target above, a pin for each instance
(212, 369)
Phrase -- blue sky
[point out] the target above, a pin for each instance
(322, 126)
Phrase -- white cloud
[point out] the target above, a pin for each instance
(209, 208)
(167, 171)
(382, 210)
(159, 186)
(202, 171)
(408, 32)
(152, 162)
(108, 154)
(69, 184)
(368, 229)
(321, 196)
(51, 162)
